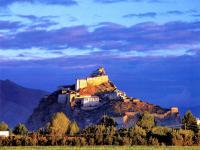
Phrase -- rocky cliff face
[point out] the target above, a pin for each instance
(123, 109)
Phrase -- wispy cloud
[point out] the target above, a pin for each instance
(108, 36)
(9, 25)
(4, 3)
(117, 1)
(81, 66)
(196, 15)
(179, 12)
(142, 15)
(190, 12)
(175, 12)
(33, 24)
(36, 18)
(40, 54)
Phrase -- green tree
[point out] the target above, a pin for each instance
(146, 121)
(59, 124)
(3, 126)
(100, 134)
(107, 121)
(20, 129)
(73, 129)
(47, 128)
(161, 133)
(138, 135)
(153, 141)
(160, 130)
(189, 122)
(182, 137)
(197, 138)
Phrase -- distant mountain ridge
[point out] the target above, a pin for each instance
(17, 102)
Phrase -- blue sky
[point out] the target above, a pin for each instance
(150, 48)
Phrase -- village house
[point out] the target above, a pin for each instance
(4, 133)
(198, 121)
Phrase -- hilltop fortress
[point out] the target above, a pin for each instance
(94, 91)
(90, 92)
(90, 98)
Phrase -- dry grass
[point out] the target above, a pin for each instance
(101, 148)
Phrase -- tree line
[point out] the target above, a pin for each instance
(61, 131)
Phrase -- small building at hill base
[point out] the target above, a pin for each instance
(4, 133)
(198, 121)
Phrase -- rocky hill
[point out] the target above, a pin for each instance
(103, 98)
(17, 102)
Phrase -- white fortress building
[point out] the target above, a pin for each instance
(89, 101)
(82, 83)
(96, 78)
(71, 96)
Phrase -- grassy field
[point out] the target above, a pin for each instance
(102, 148)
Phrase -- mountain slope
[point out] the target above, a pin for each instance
(17, 102)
